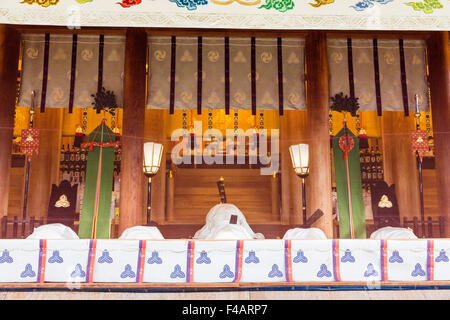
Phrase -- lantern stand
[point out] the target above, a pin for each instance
(300, 159)
(152, 161)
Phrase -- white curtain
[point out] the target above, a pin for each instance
(60, 65)
(389, 72)
(213, 73)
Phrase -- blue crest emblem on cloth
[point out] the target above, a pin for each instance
(78, 272)
(418, 271)
(55, 258)
(6, 257)
(252, 258)
(275, 272)
(370, 271)
(154, 258)
(190, 4)
(300, 257)
(128, 273)
(105, 258)
(442, 256)
(226, 273)
(348, 257)
(177, 273)
(395, 257)
(203, 258)
(28, 272)
(323, 272)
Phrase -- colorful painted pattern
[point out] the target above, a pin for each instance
(319, 3)
(190, 4)
(280, 5)
(43, 3)
(365, 4)
(129, 3)
(426, 6)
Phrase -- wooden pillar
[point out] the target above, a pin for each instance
(275, 194)
(400, 165)
(439, 66)
(170, 196)
(44, 169)
(317, 97)
(131, 175)
(286, 170)
(155, 131)
(9, 59)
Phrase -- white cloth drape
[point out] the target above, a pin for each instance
(389, 70)
(213, 73)
(59, 69)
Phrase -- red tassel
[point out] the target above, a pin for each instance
(91, 146)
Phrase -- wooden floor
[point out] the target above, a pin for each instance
(231, 291)
(230, 296)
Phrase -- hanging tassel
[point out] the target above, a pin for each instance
(330, 128)
(363, 139)
(79, 135)
(117, 133)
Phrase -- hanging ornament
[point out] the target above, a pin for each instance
(346, 142)
(191, 131)
(113, 121)
(236, 123)
(330, 127)
(116, 131)
(30, 142)
(430, 135)
(362, 135)
(210, 125)
(419, 142)
(184, 123)
(84, 120)
(79, 135)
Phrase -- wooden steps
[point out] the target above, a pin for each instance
(196, 193)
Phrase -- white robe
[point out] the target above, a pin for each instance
(218, 224)
(393, 233)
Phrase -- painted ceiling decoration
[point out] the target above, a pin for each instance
(237, 14)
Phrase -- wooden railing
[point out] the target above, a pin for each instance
(424, 228)
(32, 223)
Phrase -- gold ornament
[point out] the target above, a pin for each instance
(62, 202)
(384, 202)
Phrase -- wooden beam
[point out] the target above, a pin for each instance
(439, 67)
(9, 59)
(170, 202)
(317, 97)
(131, 175)
(275, 195)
